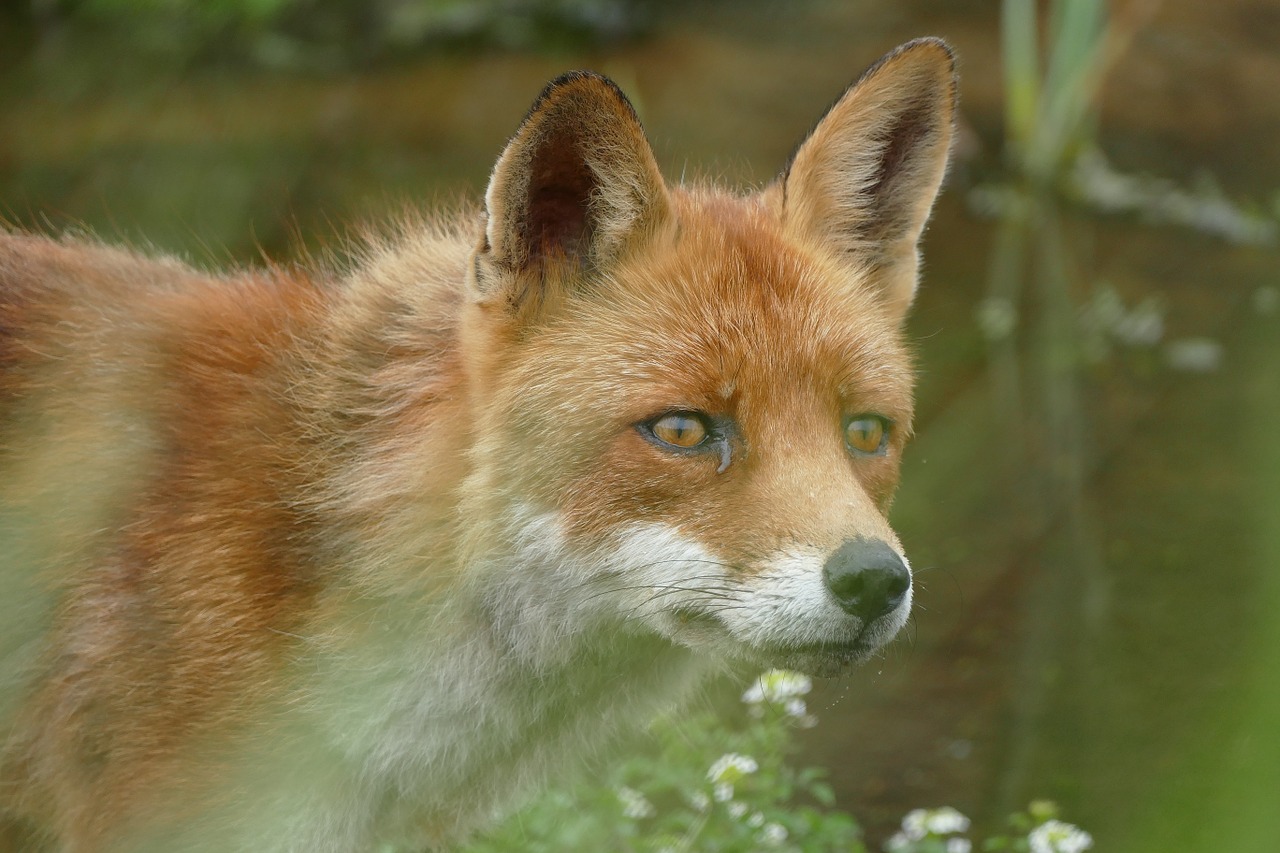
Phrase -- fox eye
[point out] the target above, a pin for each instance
(690, 433)
(685, 430)
(866, 434)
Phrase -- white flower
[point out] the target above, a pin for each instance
(773, 834)
(898, 843)
(795, 708)
(1194, 355)
(634, 804)
(945, 821)
(777, 686)
(956, 844)
(737, 809)
(913, 826)
(723, 792)
(1141, 327)
(1055, 836)
(731, 767)
(756, 820)
(700, 801)
(997, 318)
(920, 823)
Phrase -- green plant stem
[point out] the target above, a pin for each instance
(1019, 46)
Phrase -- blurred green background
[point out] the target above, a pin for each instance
(1093, 501)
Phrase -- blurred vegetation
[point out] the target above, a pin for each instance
(1049, 102)
(307, 34)
(1056, 58)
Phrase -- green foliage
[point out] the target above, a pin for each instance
(1049, 105)
(707, 785)
(212, 13)
(716, 785)
(336, 33)
(1054, 68)
(1037, 830)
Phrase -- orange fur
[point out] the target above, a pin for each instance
(306, 561)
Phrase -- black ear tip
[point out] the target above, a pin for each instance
(928, 48)
(580, 76)
(580, 80)
(911, 51)
(929, 43)
(577, 74)
(940, 55)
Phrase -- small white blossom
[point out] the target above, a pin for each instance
(945, 821)
(773, 834)
(1143, 326)
(1055, 836)
(737, 809)
(756, 820)
(957, 844)
(920, 823)
(795, 708)
(898, 843)
(777, 686)
(997, 318)
(731, 767)
(634, 804)
(1194, 355)
(723, 792)
(700, 801)
(913, 826)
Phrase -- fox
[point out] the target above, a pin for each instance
(357, 555)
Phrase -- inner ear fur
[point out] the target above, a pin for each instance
(575, 187)
(863, 182)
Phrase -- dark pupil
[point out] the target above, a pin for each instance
(682, 427)
(865, 432)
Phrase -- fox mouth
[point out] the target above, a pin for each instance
(825, 659)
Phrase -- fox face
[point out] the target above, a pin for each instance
(693, 422)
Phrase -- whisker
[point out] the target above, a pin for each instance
(666, 588)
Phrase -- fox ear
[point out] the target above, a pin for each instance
(575, 187)
(865, 179)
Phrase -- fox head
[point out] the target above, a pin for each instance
(691, 405)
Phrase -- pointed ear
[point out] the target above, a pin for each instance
(575, 187)
(864, 180)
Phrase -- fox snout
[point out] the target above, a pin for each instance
(867, 578)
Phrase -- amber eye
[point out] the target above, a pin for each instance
(679, 429)
(865, 434)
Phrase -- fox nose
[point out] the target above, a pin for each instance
(867, 578)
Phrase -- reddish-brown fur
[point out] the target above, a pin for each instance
(221, 483)
(240, 505)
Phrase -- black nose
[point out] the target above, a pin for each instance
(867, 577)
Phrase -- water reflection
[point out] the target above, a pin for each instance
(1038, 398)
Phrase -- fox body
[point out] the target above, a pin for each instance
(318, 561)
